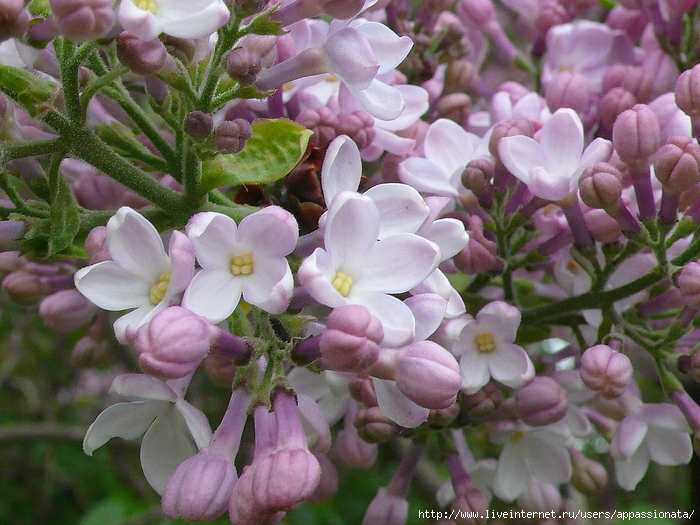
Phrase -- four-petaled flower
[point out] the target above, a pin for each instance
(140, 275)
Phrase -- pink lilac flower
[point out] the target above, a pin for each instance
(140, 276)
(246, 260)
(551, 167)
(355, 268)
(486, 350)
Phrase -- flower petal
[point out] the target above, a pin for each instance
(521, 154)
(214, 237)
(668, 447)
(272, 231)
(561, 139)
(213, 294)
(137, 387)
(111, 287)
(380, 100)
(342, 168)
(549, 464)
(396, 318)
(629, 472)
(475, 371)
(429, 311)
(397, 406)
(197, 423)
(122, 420)
(135, 244)
(426, 177)
(629, 437)
(388, 48)
(510, 365)
(401, 208)
(316, 275)
(350, 57)
(512, 475)
(449, 146)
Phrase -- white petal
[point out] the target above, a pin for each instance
(416, 99)
(342, 168)
(388, 47)
(548, 463)
(215, 238)
(166, 444)
(397, 406)
(398, 263)
(142, 387)
(668, 447)
(135, 244)
(351, 58)
(475, 371)
(429, 311)
(510, 365)
(380, 100)
(187, 19)
(449, 235)
(314, 422)
(396, 318)
(111, 287)
(512, 474)
(521, 154)
(401, 208)
(122, 420)
(213, 294)
(126, 326)
(561, 139)
(426, 177)
(272, 231)
(449, 146)
(197, 423)
(629, 437)
(631, 471)
(270, 285)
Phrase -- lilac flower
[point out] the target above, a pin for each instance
(147, 19)
(172, 429)
(485, 349)
(355, 268)
(247, 260)
(540, 452)
(656, 432)
(140, 275)
(551, 167)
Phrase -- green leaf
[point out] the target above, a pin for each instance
(64, 221)
(31, 92)
(263, 25)
(271, 153)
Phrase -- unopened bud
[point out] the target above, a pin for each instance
(636, 134)
(198, 125)
(541, 402)
(632, 78)
(243, 65)
(143, 57)
(568, 90)
(231, 135)
(83, 20)
(373, 426)
(606, 371)
(351, 340)
(601, 186)
(688, 92)
(688, 282)
(677, 164)
(67, 310)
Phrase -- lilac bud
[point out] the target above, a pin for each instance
(14, 19)
(688, 282)
(362, 390)
(611, 105)
(198, 125)
(469, 500)
(285, 478)
(568, 89)
(322, 121)
(688, 92)
(221, 370)
(551, 14)
(632, 78)
(477, 177)
(458, 77)
(481, 404)
(509, 128)
(67, 310)
(182, 49)
(373, 426)
(601, 186)
(632, 22)
(354, 451)
(588, 475)
(636, 134)
(83, 20)
(479, 255)
(229, 346)
(540, 497)
(351, 339)
(243, 65)
(606, 371)
(96, 245)
(677, 164)
(174, 343)
(200, 488)
(476, 14)
(455, 106)
(231, 135)
(143, 57)
(359, 126)
(603, 227)
(541, 402)
(10, 262)
(27, 288)
(386, 509)
(443, 416)
(11, 232)
(428, 375)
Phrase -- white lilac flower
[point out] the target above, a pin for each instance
(551, 167)
(248, 260)
(141, 275)
(146, 19)
(652, 432)
(356, 268)
(173, 430)
(448, 148)
(539, 452)
(486, 350)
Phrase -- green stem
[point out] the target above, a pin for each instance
(11, 150)
(87, 146)
(227, 37)
(193, 174)
(16, 199)
(100, 83)
(592, 299)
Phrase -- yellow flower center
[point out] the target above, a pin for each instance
(147, 5)
(517, 436)
(242, 264)
(485, 342)
(572, 266)
(342, 282)
(157, 291)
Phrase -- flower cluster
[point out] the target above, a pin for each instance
(366, 222)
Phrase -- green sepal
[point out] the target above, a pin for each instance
(33, 93)
(271, 153)
(264, 25)
(64, 221)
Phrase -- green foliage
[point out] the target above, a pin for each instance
(271, 153)
(32, 92)
(64, 221)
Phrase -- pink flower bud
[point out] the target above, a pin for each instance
(95, 245)
(232, 347)
(541, 402)
(285, 478)
(67, 310)
(323, 122)
(568, 89)
(428, 375)
(353, 450)
(636, 134)
(243, 65)
(606, 371)
(469, 499)
(602, 226)
(632, 78)
(551, 14)
(386, 509)
(677, 164)
(458, 77)
(351, 340)
(476, 14)
(631, 21)
(231, 135)
(455, 106)
(480, 404)
(27, 288)
(83, 20)
(540, 497)
(373, 426)
(359, 126)
(611, 105)
(174, 343)
(688, 282)
(10, 234)
(200, 487)
(14, 19)
(143, 57)
(601, 186)
(688, 92)
(480, 253)
(588, 475)
(509, 128)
